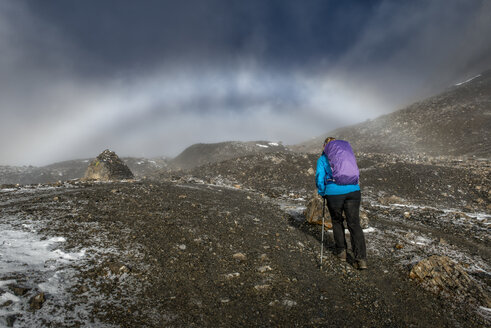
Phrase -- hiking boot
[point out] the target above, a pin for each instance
(342, 256)
(361, 264)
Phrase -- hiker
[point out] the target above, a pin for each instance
(342, 193)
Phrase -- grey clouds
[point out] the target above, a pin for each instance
(149, 78)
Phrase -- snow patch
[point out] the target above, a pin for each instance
(472, 78)
(274, 144)
(9, 297)
(7, 282)
(23, 251)
(262, 146)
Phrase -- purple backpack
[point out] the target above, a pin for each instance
(343, 162)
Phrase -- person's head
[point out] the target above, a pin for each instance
(328, 140)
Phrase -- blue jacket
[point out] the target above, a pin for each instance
(325, 187)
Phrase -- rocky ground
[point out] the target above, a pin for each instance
(226, 244)
(74, 169)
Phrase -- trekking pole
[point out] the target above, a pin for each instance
(322, 235)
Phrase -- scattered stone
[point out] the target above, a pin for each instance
(264, 268)
(56, 198)
(182, 247)
(399, 246)
(262, 287)
(117, 268)
(240, 257)
(310, 171)
(232, 275)
(36, 302)
(182, 196)
(442, 241)
(83, 289)
(289, 303)
(106, 167)
(263, 257)
(443, 276)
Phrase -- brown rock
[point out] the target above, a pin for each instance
(18, 290)
(36, 302)
(443, 276)
(117, 268)
(313, 212)
(240, 257)
(264, 268)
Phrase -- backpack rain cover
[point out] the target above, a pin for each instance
(343, 162)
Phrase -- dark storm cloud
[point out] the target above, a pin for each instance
(151, 77)
(141, 34)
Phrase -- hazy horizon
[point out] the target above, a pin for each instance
(148, 79)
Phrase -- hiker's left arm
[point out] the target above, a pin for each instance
(320, 175)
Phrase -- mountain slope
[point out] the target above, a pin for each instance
(200, 154)
(456, 122)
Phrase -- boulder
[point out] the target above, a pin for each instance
(106, 167)
(441, 275)
(313, 213)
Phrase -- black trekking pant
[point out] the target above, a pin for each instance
(350, 205)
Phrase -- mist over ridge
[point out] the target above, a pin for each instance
(190, 73)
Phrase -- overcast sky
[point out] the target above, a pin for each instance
(149, 78)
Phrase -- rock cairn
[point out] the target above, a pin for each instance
(441, 275)
(108, 166)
